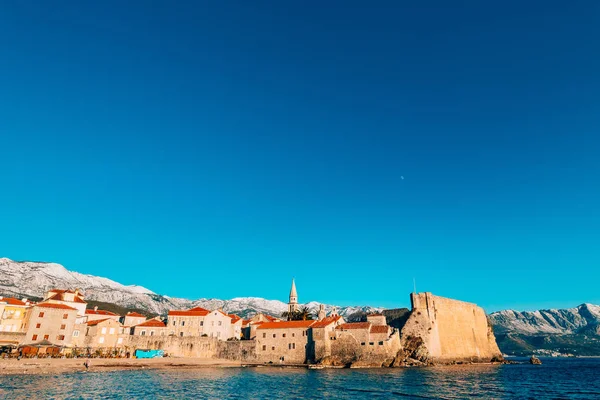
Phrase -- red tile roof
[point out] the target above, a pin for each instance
(379, 329)
(285, 324)
(198, 309)
(52, 305)
(326, 321)
(12, 301)
(354, 325)
(188, 313)
(61, 297)
(270, 318)
(153, 322)
(96, 322)
(100, 312)
(234, 318)
(135, 315)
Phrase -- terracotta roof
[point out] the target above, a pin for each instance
(96, 322)
(234, 318)
(354, 325)
(270, 318)
(61, 297)
(375, 315)
(198, 309)
(100, 312)
(379, 329)
(188, 313)
(52, 305)
(12, 301)
(134, 314)
(326, 321)
(246, 322)
(153, 322)
(285, 324)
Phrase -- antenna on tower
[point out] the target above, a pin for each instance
(415, 285)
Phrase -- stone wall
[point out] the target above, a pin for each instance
(237, 350)
(451, 330)
(175, 346)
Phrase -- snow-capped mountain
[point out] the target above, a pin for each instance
(35, 278)
(580, 319)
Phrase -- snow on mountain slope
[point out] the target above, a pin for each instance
(35, 278)
(555, 321)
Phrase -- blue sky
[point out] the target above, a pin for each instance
(218, 150)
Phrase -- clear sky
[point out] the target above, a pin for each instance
(218, 149)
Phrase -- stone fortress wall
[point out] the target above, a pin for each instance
(451, 330)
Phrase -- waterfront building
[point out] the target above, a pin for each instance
(51, 322)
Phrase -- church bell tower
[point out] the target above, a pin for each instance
(293, 304)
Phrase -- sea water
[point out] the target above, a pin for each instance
(568, 378)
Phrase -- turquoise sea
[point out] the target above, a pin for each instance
(575, 378)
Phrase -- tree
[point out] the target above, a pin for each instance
(303, 314)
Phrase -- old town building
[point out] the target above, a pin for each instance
(51, 322)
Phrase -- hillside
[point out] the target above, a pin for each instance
(33, 279)
(573, 331)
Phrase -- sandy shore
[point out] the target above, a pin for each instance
(66, 365)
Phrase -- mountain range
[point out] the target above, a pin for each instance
(33, 279)
(555, 331)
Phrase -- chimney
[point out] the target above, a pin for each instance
(96, 308)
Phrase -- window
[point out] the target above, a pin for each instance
(143, 333)
(182, 323)
(61, 337)
(264, 347)
(219, 323)
(101, 339)
(273, 348)
(65, 316)
(381, 343)
(291, 346)
(174, 322)
(283, 335)
(151, 333)
(371, 343)
(38, 326)
(34, 337)
(41, 315)
(212, 323)
(302, 333)
(75, 333)
(201, 323)
(120, 340)
(103, 330)
(274, 335)
(46, 337)
(181, 334)
(293, 335)
(362, 344)
(111, 331)
(264, 335)
(63, 326)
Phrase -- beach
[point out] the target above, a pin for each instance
(40, 366)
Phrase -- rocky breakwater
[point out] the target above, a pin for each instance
(446, 331)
